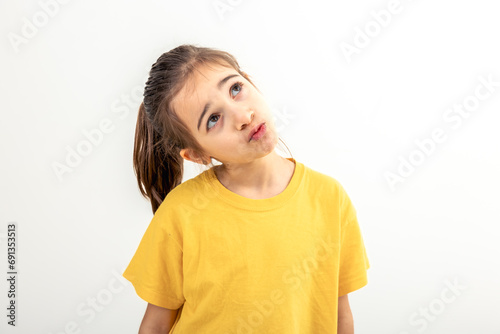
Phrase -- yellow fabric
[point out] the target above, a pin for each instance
(238, 265)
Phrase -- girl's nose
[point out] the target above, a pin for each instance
(243, 118)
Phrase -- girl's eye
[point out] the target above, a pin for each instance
(236, 88)
(214, 118)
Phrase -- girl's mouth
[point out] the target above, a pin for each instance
(261, 130)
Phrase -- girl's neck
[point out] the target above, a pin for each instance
(263, 178)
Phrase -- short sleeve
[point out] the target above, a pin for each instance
(155, 270)
(354, 262)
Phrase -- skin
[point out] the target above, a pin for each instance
(157, 320)
(345, 321)
(250, 168)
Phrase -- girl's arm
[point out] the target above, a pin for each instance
(345, 322)
(157, 320)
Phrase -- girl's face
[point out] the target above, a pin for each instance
(221, 109)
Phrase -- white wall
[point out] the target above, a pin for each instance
(354, 116)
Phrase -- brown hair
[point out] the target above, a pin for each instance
(160, 134)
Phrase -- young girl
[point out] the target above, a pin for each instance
(257, 243)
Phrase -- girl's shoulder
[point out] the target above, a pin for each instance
(189, 190)
(322, 180)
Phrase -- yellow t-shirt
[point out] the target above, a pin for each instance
(238, 265)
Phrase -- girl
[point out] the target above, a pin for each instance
(257, 243)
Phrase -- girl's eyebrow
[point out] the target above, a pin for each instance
(219, 86)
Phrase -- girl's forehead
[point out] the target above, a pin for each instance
(208, 73)
(204, 79)
(199, 87)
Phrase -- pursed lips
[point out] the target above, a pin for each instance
(254, 130)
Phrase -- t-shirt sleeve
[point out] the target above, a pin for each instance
(354, 262)
(155, 270)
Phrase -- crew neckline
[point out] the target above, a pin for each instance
(262, 204)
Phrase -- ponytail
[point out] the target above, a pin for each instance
(158, 165)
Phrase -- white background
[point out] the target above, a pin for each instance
(352, 117)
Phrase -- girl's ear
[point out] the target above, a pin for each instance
(189, 154)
